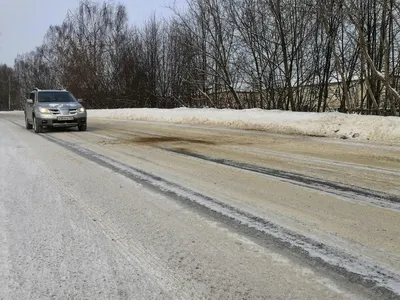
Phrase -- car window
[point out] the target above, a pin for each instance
(32, 96)
(55, 97)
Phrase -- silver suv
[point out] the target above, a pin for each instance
(54, 108)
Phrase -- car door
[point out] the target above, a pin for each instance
(29, 107)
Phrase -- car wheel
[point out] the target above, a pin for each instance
(27, 124)
(82, 127)
(36, 126)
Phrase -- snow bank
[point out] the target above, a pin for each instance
(331, 124)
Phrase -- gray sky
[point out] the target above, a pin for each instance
(23, 23)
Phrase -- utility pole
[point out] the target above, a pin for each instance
(9, 92)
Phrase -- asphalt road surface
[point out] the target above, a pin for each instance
(138, 210)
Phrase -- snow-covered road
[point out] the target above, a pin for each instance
(140, 210)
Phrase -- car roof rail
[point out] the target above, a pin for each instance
(36, 89)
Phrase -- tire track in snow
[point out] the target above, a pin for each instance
(384, 281)
(137, 255)
(356, 269)
(308, 159)
(352, 192)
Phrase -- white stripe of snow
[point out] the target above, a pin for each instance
(331, 124)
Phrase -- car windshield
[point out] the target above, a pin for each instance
(55, 97)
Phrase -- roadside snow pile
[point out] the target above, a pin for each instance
(316, 124)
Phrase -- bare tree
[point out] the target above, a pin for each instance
(273, 54)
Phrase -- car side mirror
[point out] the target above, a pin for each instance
(80, 100)
(29, 101)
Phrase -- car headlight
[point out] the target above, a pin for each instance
(44, 110)
(81, 110)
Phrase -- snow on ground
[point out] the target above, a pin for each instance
(332, 124)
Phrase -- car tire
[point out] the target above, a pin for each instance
(36, 126)
(27, 124)
(82, 127)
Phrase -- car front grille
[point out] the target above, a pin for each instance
(56, 111)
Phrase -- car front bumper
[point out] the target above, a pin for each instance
(50, 120)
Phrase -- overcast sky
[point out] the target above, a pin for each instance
(23, 23)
